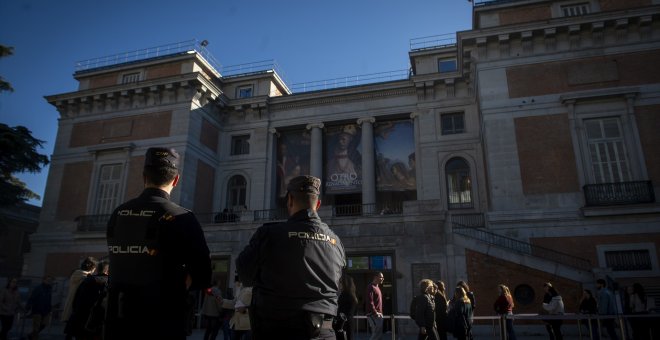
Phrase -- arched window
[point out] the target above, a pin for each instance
(459, 184)
(236, 192)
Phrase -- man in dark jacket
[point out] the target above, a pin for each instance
(39, 305)
(157, 253)
(294, 268)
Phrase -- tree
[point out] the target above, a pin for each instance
(18, 154)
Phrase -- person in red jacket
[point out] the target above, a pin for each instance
(504, 307)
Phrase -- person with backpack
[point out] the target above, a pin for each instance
(423, 311)
(460, 315)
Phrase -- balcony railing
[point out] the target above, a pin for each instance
(88, 223)
(389, 208)
(475, 220)
(618, 193)
(522, 247)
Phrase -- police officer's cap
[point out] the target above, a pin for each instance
(161, 158)
(308, 184)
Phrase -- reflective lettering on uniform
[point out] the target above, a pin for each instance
(312, 236)
(132, 250)
(140, 213)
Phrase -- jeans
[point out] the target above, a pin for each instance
(376, 326)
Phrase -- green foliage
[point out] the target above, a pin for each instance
(5, 51)
(18, 154)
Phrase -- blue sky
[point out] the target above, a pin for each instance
(310, 40)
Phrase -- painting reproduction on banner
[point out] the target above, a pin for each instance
(395, 156)
(293, 148)
(343, 159)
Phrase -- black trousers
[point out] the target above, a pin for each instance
(295, 327)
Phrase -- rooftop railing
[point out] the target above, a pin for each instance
(253, 67)
(350, 81)
(189, 46)
(478, 3)
(433, 41)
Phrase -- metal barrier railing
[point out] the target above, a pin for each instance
(580, 326)
(362, 79)
(434, 41)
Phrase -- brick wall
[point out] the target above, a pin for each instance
(545, 151)
(204, 186)
(525, 14)
(648, 123)
(583, 74)
(486, 272)
(74, 191)
(103, 80)
(611, 5)
(209, 135)
(164, 70)
(131, 128)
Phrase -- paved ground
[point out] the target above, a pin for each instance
(531, 332)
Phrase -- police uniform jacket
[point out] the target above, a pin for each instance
(293, 266)
(153, 245)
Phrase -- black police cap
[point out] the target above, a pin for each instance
(161, 158)
(309, 184)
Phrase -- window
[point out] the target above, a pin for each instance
(452, 123)
(244, 91)
(447, 65)
(575, 9)
(130, 78)
(240, 145)
(236, 192)
(629, 260)
(109, 188)
(607, 152)
(459, 185)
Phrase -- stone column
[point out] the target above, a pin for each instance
(368, 166)
(270, 184)
(316, 152)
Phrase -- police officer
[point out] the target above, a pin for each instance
(157, 252)
(294, 268)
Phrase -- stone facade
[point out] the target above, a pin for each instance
(496, 174)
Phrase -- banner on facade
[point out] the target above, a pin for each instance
(343, 159)
(395, 156)
(293, 148)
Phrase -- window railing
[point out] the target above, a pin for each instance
(619, 193)
(87, 223)
(385, 208)
(522, 247)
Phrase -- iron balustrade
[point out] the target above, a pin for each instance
(87, 223)
(271, 215)
(374, 209)
(252, 68)
(605, 194)
(522, 247)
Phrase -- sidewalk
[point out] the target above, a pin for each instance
(481, 332)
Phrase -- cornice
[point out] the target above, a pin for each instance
(340, 98)
(189, 87)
